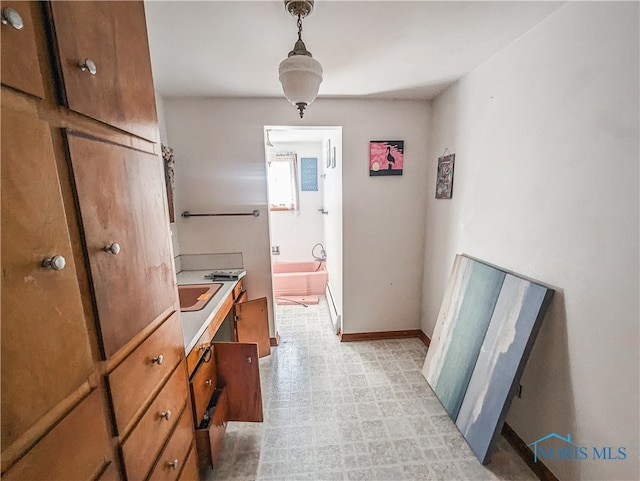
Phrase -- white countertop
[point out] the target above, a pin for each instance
(194, 323)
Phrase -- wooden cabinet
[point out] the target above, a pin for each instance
(92, 352)
(126, 231)
(225, 376)
(20, 64)
(39, 304)
(105, 63)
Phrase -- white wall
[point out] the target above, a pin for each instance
(220, 165)
(333, 240)
(546, 184)
(297, 232)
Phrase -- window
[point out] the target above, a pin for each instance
(283, 181)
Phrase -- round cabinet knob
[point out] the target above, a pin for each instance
(112, 248)
(56, 263)
(158, 359)
(173, 464)
(88, 66)
(12, 18)
(166, 415)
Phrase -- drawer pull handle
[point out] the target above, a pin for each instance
(249, 360)
(208, 382)
(88, 66)
(173, 464)
(56, 263)
(12, 18)
(112, 249)
(158, 359)
(166, 415)
(203, 347)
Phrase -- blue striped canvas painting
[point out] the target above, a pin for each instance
(507, 343)
(462, 323)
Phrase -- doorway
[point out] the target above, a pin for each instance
(304, 172)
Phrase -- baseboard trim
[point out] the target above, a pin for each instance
(424, 338)
(274, 341)
(539, 469)
(375, 336)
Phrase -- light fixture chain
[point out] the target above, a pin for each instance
(299, 27)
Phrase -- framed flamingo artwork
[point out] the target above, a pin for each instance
(386, 157)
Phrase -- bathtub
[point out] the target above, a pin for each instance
(299, 278)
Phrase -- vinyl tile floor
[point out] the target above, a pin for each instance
(350, 411)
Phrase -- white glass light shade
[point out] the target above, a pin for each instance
(300, 76)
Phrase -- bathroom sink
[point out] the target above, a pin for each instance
(193, 297)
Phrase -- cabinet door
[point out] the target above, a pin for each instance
(20, 66)
(112, 35)
(122, 201)
(239, 371)
(42, 312)
(252, 324)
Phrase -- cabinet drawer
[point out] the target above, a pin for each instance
(142, 446)
(126, 231)
(203, 383)
(113, 36)
(140, 374)
(204, 342)
(175, 453)
(190, 470)
(20, 66)
(76, 449)
(238, 290)
(210, 439)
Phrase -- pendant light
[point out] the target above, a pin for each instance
(300, 73)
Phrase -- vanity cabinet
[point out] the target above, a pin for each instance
(104, 59)
(20, 63)
(224, 377)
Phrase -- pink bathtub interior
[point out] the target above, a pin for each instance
(299, 278)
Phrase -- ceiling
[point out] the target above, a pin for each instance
(368, 49)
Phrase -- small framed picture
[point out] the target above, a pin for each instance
(386, 157)
(444, 183)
